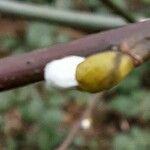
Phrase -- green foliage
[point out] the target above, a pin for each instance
(12, 144)
(121, 3)
(136, 139)
(131, 100)
(137, 104)
(39, 35)
(44, 119)
(64, 4)
(146, 2)
(6, 101)
(8, 42)
(47, 140)
(52, 117)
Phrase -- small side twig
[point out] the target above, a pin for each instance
(119, 11)
(137, 47)
(77, 125)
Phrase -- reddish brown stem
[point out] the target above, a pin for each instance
(92, 102)
(28, 68)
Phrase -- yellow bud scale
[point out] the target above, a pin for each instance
(104, 70)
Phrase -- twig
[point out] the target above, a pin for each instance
(16, 71)
(93, 100)
(119, 11)
(62, 17)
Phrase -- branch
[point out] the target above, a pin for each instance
(119, 11)
(16, 71)
(92, 102)
(68, 18)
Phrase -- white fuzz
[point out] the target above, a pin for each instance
(61, 73)
(86, 123)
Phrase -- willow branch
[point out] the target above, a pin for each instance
(61, 17)
(119, 11)
(16, 71)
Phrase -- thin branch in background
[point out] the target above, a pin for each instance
(119, 11)
(92, 102)
(20, 70)
(85, 21)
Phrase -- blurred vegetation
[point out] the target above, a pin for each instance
(34, 117)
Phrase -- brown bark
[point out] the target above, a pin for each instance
(28, 68)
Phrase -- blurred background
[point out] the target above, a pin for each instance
(35, 117)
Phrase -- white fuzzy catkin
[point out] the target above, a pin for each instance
(61, 73)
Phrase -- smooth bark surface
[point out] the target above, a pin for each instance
(16, 71)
